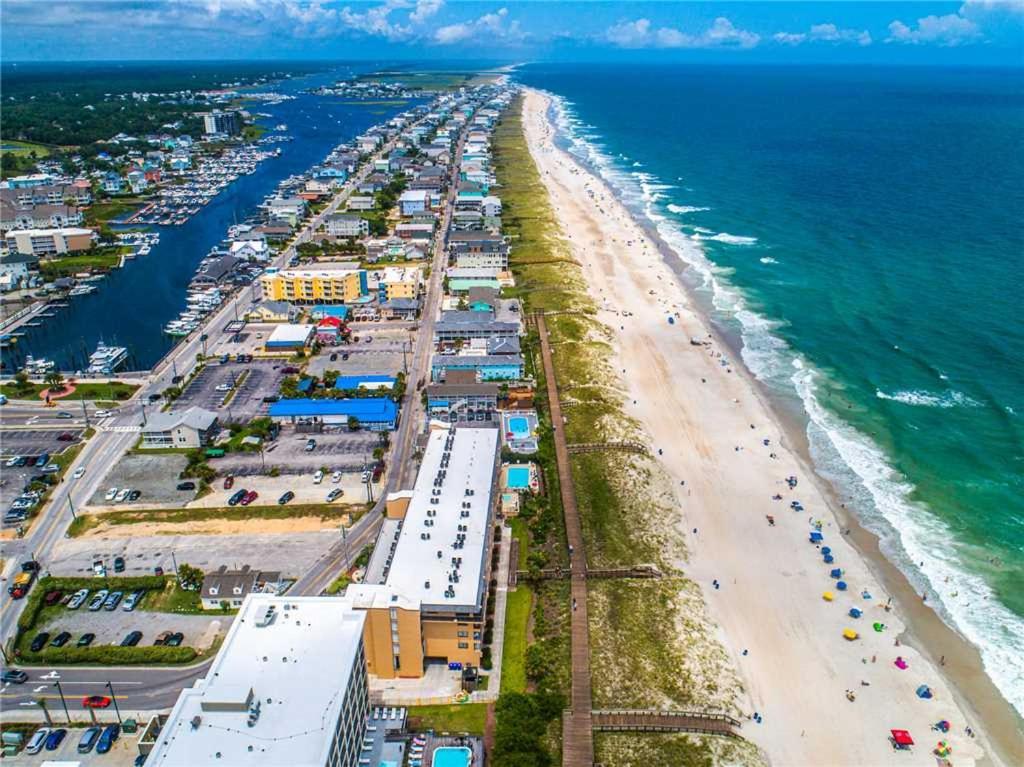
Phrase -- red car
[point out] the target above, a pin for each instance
(251, 496)
(95, 701)
(229, 481)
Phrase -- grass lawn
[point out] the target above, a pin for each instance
(101, 259)
(521, 534)
(102, 212)
(513, 659)
(86, 522)
(115, 390)
(24, 148)
(174, 599)
(467, 717)
(339, 584)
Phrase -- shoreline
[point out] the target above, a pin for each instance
(972, 690)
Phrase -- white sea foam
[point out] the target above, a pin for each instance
(729, 239)
(909, 534)
(767, 260)
(684, 209)
(921, 398)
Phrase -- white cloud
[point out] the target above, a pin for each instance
(492, 26)
(640, 34)
(424, 10)
(949, 30)
(824, 33)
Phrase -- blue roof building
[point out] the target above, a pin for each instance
(322, 311)
(345, 383)
(373, 413)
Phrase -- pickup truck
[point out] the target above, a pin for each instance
(21, 584)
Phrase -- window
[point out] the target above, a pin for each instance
(463, 645)
(463, 634)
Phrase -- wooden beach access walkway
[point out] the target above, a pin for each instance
(577, 733)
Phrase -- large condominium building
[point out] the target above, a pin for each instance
(47, 242)
(432, 562)
(325, 284)
(222, 122)
(287, 689)
(399, 282)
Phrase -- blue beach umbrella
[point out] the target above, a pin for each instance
(826, 549)
(836, 573)
(855, 613)
(829, 559)
(841, 585)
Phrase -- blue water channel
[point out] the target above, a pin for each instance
(132, 304)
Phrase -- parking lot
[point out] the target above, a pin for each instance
(269, 489)
(32, 444)
(336, 450)
(111, 626)
(155, 476)
(122, 754)
(262, 379)
(382, 355)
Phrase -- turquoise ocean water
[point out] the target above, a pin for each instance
(861, 230)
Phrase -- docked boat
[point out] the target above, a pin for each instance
(106, 359)
(38, 367)
(82, 290)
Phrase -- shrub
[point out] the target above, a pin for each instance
(111, 655)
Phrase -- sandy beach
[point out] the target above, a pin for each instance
(820, 698)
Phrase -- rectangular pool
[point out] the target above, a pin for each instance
(518, 477)
(519, 426)
(450, 756)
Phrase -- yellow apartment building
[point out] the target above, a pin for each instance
(336, 284)
(399, 282)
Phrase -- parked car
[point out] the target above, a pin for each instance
(12, 461)
(134, 495)
(158, 570)
(39, 642)
(61, 639)
(290, 370)
(175, 639)
(318, 477)
(37, 741)
(122, 496)
(335, 494)
(235, 499)
(162, 637)
(131, 639)
(66, 437)
(334, 357)
(132, 600)
(79, 597)
(113, 600)
(14, 676)
(251, 496)
(95, 701)
(118, 564)
(88, 740)
(52, 597)
(336, 477)
(79, 473)
(186, 485)
(55, 738)
(310, 445)
(223, 387)
(229, 480)
(110, 495)
(50, 468)
(98, 599)
(85, 640)
(107, 738)
(271, 398)
(285, 498)
(344, 356)
(155, 397)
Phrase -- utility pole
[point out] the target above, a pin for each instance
(63, 702)
(142, 404)
(71, 506)
(114, 698)
(85, 413)
(175, 563)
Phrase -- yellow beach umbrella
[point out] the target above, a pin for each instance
(850, 634)
(827, 596)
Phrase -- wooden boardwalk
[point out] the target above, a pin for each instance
(600, 447)
(665, 721)
(577, 734)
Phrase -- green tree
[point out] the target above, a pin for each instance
(225, 605)
(21, 380)
(353, 423)
(189, 578)
(54, 380)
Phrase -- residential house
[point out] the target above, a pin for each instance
(216, 271)
(503, 367)
(272, 311)
(233, 586)
(413, 201)
(191, 428)
(464, 325)
(290, 209)
(342, 225)
(112, 183)
(360, 203)
(462, 402)
(400, 309)
(16, 270)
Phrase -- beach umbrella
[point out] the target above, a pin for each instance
(841, 585)
(826, 549)
(855, 613)
(879, 627)
(850, 634)
(829, 559)
(836, 573)
(901, 664)
(924, 691)
(901, 738)
(827, 596)
(816, 537)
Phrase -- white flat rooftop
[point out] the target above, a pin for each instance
(298, 667)
(291, 334)
(419, 561)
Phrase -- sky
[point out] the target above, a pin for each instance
(969, 32)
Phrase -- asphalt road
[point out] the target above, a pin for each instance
(146, 688)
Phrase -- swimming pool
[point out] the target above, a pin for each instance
(450, 756)
(519, 426)
(517, 477)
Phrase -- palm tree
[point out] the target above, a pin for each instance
(54, 380)
(41, 702)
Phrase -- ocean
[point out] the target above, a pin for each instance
(132, 304)
(859, 230)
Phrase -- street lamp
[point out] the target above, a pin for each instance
(114, 699)
(63, 702)
(71, 506)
